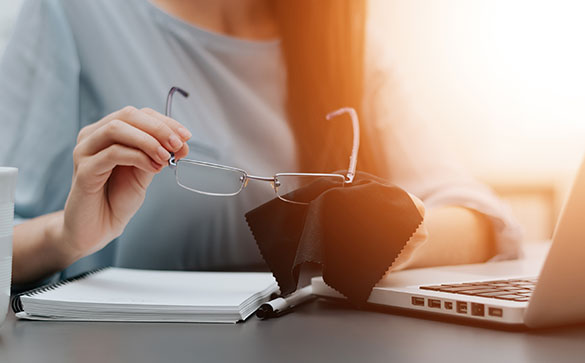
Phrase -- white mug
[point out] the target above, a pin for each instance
(7, 189)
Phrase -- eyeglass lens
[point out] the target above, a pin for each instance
(305, 188)
(209, 179)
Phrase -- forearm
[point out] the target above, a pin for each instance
(39, 249)
(456, 235)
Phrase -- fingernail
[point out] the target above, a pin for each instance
(163, 154)
(185, 134)
(175, 142)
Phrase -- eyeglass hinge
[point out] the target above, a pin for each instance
(172, 160)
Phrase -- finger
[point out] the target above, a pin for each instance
(119, 132)
(183, 152)
(172, 123)
(157, 127)
(91, 128)
(120, 155)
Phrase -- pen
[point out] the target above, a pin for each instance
(283, 305)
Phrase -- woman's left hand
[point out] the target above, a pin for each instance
(419, 237)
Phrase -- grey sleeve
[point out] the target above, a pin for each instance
(39, 82)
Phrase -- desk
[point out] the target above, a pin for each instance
(322, 331)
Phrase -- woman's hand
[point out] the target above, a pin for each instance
(449, 235)
(419, 237)
(114, 162)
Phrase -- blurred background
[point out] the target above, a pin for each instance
(502, 82)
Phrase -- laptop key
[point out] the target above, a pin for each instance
(451, 289)
(464, 288)
(509, 297)
(524, 295)
(513, 290)
(499, 284)
(494, 294)
(483, 291)
(523, 291)
(528, 287)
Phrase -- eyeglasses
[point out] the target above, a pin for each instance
(221, 180)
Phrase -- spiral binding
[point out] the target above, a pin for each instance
(16, 302)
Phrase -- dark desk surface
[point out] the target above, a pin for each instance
(321, 331)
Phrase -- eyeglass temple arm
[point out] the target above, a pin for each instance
(168, 109)
(356, 138)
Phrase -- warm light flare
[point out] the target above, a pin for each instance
(503, 81)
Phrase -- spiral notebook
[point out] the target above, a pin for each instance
(118, 294)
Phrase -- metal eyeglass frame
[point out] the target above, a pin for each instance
(348, 178)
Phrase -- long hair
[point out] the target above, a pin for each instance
(323, 44)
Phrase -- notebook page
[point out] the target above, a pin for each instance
(170, 288)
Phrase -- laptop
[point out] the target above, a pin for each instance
(533, 292)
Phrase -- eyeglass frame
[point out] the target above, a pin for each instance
(273, 180)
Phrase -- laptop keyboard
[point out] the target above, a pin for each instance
(513, 290)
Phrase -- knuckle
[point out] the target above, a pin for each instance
(112, 151)
(76, 154)
(146, 141)
(134, 157)
(148, 110)
(114, 127)
(82, 134)
(137, 158)
(161, 128)
(129, 111)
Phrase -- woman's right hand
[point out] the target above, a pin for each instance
(115, 160)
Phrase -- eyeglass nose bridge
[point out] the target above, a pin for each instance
(271, 179)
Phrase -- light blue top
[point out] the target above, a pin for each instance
(71, 62)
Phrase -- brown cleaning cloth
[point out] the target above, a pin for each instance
(354, 232)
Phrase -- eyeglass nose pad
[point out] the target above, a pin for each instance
(246, 182)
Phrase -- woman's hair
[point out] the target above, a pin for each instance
(323, 44)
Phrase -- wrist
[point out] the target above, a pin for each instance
(43, 241)
(58, 247)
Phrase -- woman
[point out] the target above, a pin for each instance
(76, 79)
